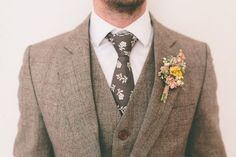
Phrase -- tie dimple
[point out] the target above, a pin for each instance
(122, 83)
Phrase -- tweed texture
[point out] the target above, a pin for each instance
(110, 144)
(59, 117)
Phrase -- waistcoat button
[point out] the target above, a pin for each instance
(123, 135)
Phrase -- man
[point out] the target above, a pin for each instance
(96, 91)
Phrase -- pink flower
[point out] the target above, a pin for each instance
(179, 60)
(171, 82)
(180, 57)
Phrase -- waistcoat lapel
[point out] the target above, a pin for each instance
(157, 111)
(107, 112)
(80, 107)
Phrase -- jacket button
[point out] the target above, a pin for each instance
(123, 135)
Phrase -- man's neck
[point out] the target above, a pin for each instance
(116, 18)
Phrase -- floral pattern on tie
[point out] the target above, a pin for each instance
(122, 83)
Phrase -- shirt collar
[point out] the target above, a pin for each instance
(141, 28)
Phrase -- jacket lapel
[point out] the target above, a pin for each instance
(80, 110)
(157, 112)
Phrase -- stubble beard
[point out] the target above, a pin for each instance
(124, 6)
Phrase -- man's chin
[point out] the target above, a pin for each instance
(124, 6)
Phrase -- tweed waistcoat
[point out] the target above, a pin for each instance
(111, 123)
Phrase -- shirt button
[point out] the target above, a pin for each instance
(123, 135)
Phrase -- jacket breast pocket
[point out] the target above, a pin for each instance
(181, 114)
(179, 122)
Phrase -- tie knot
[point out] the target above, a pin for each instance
(123, 42)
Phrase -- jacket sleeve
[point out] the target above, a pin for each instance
(205, 137)
(32, 139)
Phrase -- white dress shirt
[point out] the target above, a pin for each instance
(105, 51)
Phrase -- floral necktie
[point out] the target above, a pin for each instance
(122, 83)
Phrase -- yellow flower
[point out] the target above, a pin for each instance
(176, 71)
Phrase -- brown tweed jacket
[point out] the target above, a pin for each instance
(58, 116)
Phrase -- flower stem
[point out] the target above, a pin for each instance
(165, 94)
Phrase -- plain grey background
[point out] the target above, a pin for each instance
(26, 22)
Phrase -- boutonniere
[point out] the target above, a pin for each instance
(172, 73)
